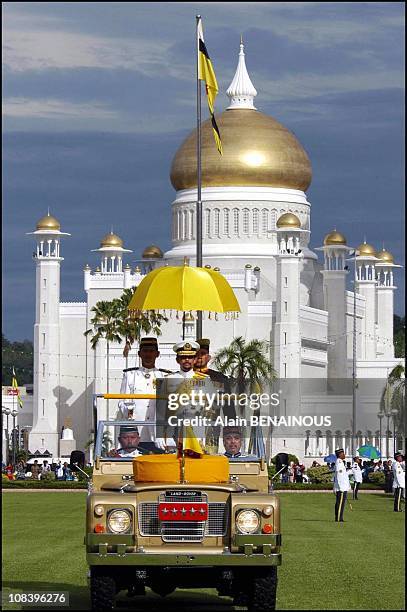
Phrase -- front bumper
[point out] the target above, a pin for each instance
(171, 560)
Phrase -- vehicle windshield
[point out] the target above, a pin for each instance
(124, 440)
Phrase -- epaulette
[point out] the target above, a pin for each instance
(130, 369)
(201, 375)
(166, 371)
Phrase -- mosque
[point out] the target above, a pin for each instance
(257, 232)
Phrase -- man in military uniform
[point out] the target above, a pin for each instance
(357, 476)
(129, 439)
(221, 382)
(399, 481)
(143, 380)
(341, 484)
(186, 381)
(232, 441)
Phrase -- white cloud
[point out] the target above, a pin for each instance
(54, 109)
(42, 49)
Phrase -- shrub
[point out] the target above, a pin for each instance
(320, 474)
(48, 476)
(376, 478)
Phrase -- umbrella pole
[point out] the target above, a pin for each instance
(199, 178)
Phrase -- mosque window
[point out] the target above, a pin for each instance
(181, 229)
(43, 370)
(43, 412)
(217, 222)
(44, 308)
(43, 340)
(265, 219)
(285, 338)
(245, 220)
(285, 281)
(44, 282)
(255, 220)
(186, 226)
(286, 307)
(273, 219)
(178, 225)
(226, 221)
(236, 221)
(208, 222)
(191, 224)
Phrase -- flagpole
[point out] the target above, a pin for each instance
(199, 176)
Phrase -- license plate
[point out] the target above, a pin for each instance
(182, 493)
(179, 511)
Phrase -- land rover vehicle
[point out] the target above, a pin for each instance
(170, 531)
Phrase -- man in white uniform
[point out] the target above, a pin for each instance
(357, 476)
(399, 480)
(185, 382)
(341, 484)
(129, 439)
(143, 380)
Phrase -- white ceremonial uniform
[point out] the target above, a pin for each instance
(341, 478)
(184, 383)
(124, 453)
(399, 477)
(140, 380)
(357, 472)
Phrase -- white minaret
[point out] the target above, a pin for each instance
(44, 434)
(385, 303)
(334, 288)
(366, 285)
(241, 91)
(287, 340)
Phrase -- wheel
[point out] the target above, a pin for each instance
(263, 591)
(102, 590)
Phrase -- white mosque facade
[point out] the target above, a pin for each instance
(257, 231)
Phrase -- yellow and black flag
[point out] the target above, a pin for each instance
(206, 73)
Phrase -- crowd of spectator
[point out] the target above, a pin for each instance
(37, 471)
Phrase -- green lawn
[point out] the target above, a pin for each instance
(357, 565)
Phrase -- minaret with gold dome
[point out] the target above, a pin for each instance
(287, 338)
(366, 285)
(44, 433)
(334, 276)
(385, 303)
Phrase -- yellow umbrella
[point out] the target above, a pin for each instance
(184, 288)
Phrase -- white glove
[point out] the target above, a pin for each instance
(162, 443)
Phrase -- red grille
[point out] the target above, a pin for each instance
(178, 511)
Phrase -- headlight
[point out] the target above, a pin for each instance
(119, 521)
(247, 521)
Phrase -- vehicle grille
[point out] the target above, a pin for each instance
(182, 531)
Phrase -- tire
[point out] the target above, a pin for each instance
(102, 591)
(263, 591)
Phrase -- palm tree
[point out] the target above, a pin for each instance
(246, 362)
(105, 326)
(392, 403)
(130, 328)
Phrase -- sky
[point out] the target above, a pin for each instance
(97, 97)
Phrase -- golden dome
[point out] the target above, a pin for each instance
(152, 252)
(366, 250)
(257, 151)
(385, 256)
(111, 240)
(288, 220)
(334, 238)
(48, 223)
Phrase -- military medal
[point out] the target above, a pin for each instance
(147, 375)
